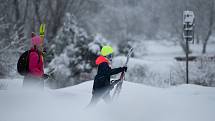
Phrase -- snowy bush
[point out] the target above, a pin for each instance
(75, 53)
(138, 72)
(62, 72)
(201, 72)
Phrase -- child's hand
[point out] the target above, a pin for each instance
(45, 76)
(125, 68)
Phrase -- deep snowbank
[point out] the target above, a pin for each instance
(136, 103)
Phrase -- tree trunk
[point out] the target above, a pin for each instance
(211, 22)
(25, 11)
(206, 41)
(197, 38)
(37, 7)
(17, 12)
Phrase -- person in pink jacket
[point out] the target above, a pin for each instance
(35, 76)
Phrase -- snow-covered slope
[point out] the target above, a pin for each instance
(136, 103)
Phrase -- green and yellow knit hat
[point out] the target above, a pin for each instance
(106, 50)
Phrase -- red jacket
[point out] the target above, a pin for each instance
(36, 64)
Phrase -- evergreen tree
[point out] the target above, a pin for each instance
(75, 53)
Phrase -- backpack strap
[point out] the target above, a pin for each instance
(38, 57)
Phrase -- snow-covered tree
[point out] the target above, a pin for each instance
(75, 53)
(97, 43)
(12, 39)
(125, 45)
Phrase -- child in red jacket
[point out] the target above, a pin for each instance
(35, 76)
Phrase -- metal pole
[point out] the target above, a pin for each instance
(187, 57)
(187, 62)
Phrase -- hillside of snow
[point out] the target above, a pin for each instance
(135, 103)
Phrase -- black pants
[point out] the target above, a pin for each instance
(97, 95)
(103, 93)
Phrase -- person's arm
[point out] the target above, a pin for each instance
(107, 70)
(116, 70)
(34, 66)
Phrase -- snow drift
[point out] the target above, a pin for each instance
(136, 103)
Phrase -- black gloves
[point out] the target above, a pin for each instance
(45, 76)
(44, 52)
(124, 68)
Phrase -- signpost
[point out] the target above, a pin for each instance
(188, 34)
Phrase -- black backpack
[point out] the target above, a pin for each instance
(23, 63)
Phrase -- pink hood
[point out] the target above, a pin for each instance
(36, 40)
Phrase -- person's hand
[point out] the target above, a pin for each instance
(44, 52)
(45, 76)
(124, 68)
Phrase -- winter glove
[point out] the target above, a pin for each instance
(45, 76)
(44, 52)
(124, 68)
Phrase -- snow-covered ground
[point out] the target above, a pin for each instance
(161, 54)
(136, 103)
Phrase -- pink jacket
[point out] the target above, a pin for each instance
(35, 67)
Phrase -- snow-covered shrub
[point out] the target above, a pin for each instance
(178, 73)
(201, 72)
(62, 72)
(140, 73)
(136, 71)
(156, 80)
(75, 53)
